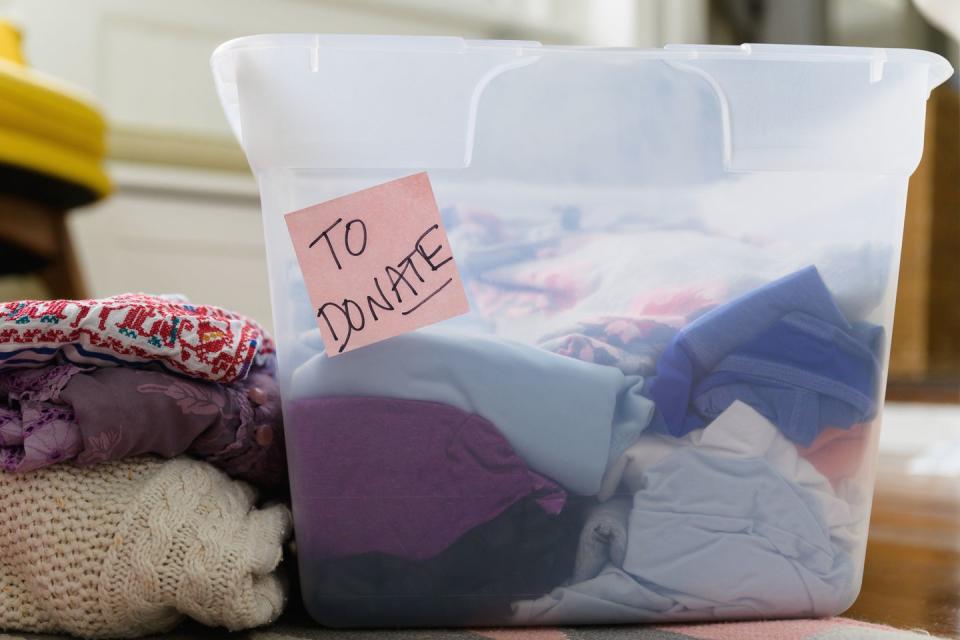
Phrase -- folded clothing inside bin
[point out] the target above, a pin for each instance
(603, 540)
(402, 477)
(565, 418)
(726, 522)
(785, 349)
(629, 344)
(838, 453)
(524, 552)
(421, 513)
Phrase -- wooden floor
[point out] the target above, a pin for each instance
(911, 587)
(912, 573)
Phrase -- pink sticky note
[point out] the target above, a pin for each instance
(377, 263)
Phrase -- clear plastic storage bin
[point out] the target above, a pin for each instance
(681, 265)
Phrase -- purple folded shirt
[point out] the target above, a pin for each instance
(400, 477)
(89, 415)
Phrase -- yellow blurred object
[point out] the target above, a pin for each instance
(48, 127)
(10, 43)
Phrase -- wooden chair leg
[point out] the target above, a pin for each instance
(62, 276)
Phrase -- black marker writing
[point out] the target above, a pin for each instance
(344, 310)
(346, 237)
(352, 225)
(424, 301)
(371, 303)
(429, 258)
(329, 244)
(396, 277)
(345, 318)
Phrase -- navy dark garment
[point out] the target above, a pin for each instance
(522, 553)
(784, 349)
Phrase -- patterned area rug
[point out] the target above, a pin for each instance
(827, 629)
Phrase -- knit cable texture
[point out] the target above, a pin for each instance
(128, 548)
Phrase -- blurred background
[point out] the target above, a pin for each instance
(146, 190)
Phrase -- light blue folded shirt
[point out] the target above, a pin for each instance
(735, 535)
(726, 522)
(566, 418)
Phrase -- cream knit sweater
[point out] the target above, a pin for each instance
(128, 548)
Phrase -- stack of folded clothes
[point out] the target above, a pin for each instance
(122, 422)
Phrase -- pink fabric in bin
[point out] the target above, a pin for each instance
(838, 453)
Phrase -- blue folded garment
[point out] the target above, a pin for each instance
(785, 349)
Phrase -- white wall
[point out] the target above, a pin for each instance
(172, 230)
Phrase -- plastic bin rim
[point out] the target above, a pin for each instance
(940, 69)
